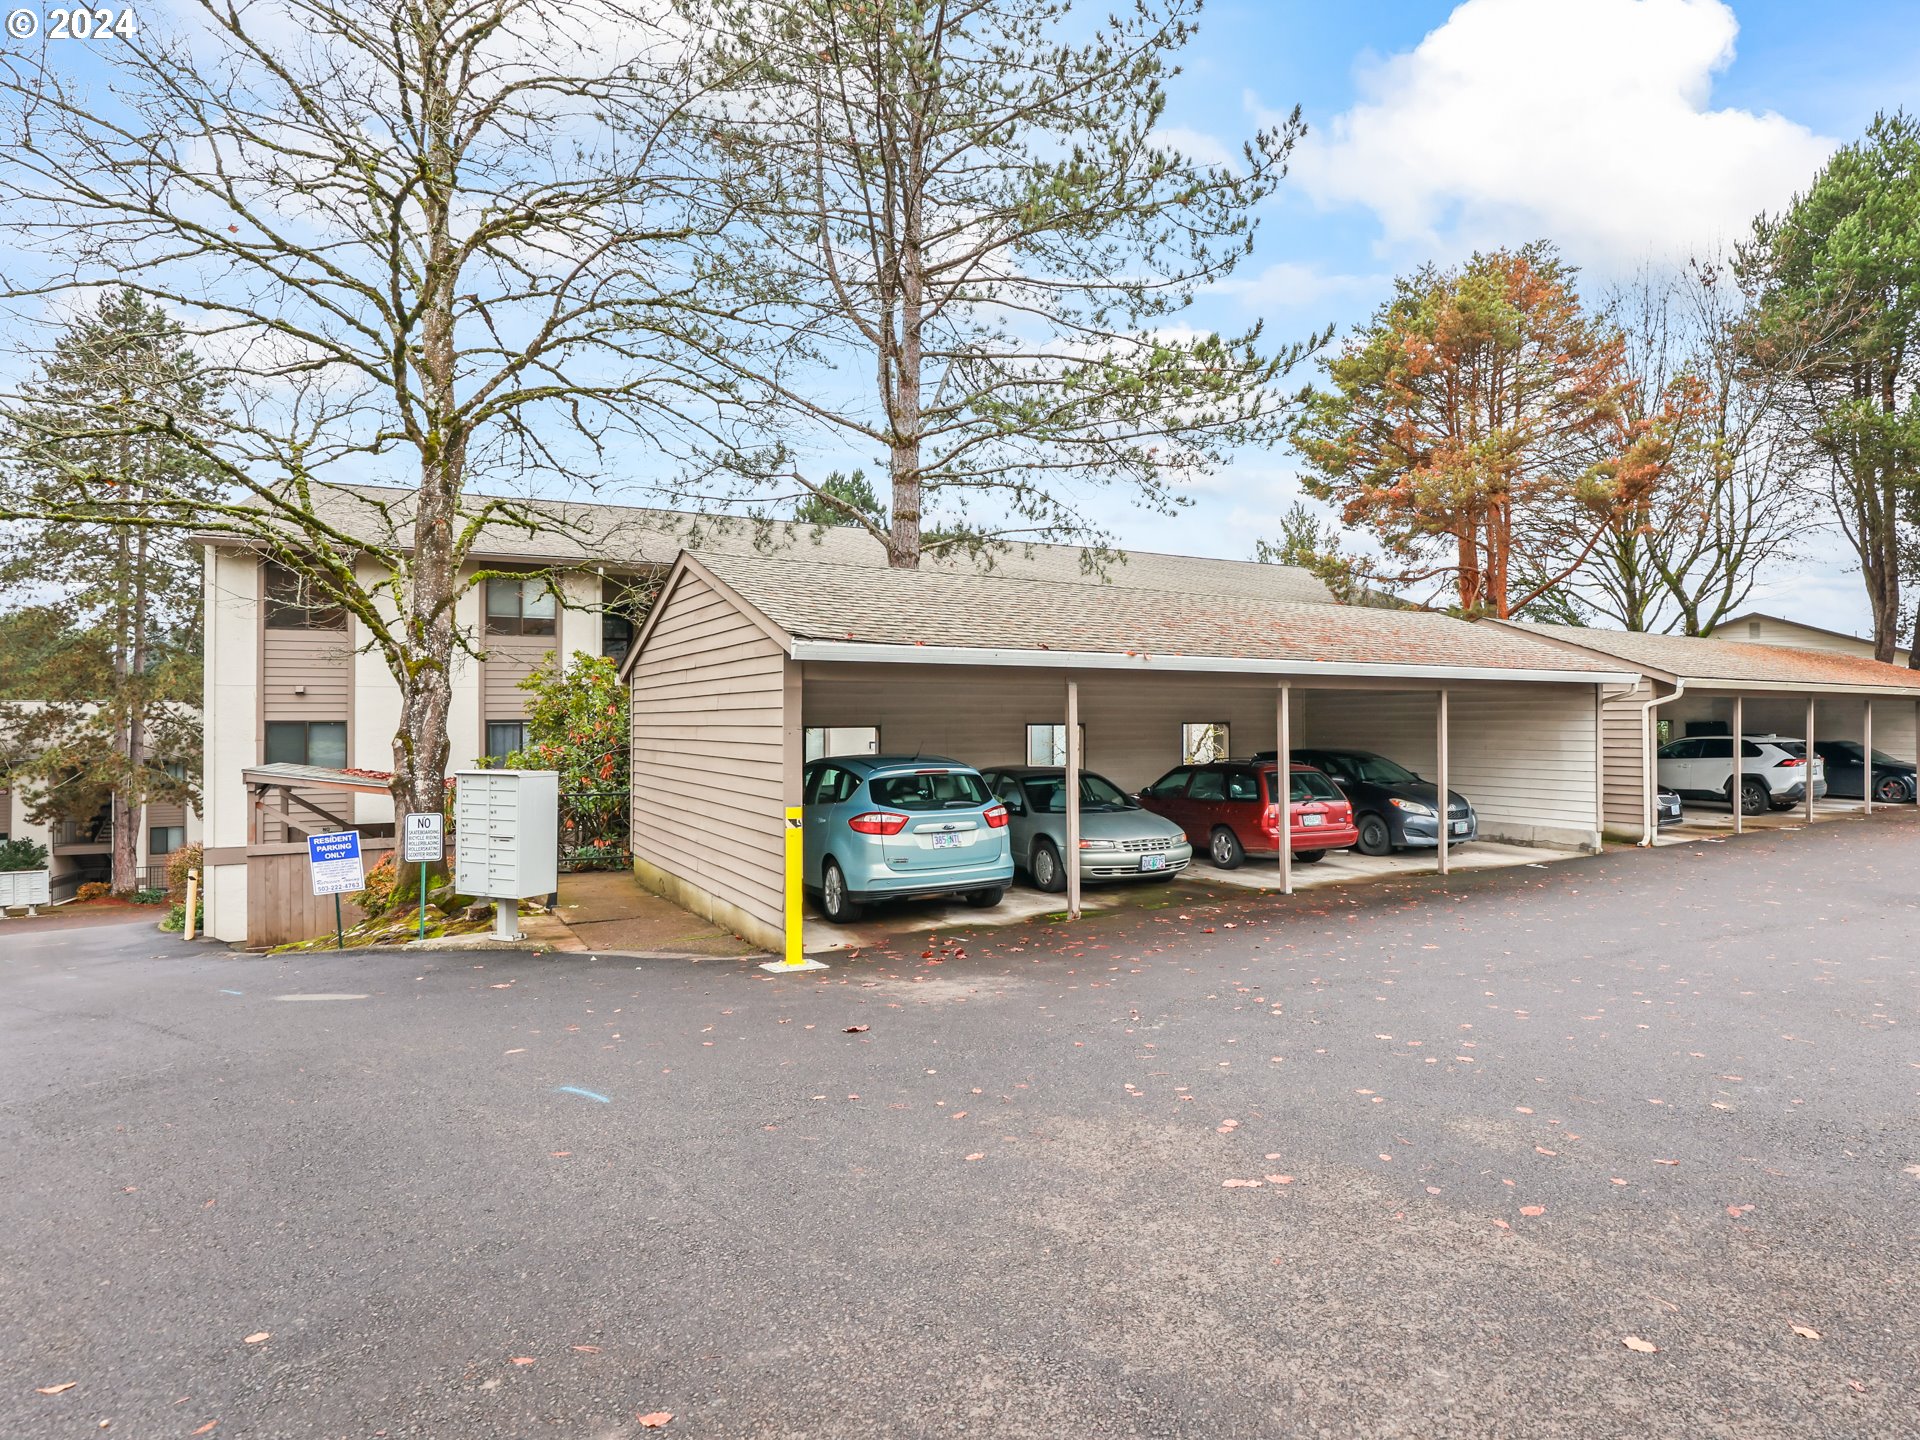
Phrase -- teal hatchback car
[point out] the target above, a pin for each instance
(884, 827)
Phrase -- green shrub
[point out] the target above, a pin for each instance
(186, 858)
(22, 855)
(149, 897)
(176, 920)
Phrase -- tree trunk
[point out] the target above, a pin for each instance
(903, 461)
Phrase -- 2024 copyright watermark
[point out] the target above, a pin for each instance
(100, 24)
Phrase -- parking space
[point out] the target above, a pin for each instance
(1703, 819)
(1346, 867)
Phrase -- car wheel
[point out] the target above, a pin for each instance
(1755, 798)
(1375, 837)
(1890, 790)
(1225, 850)
(1308, 857)
(986, 898)
(834, 899)
(1048, 873)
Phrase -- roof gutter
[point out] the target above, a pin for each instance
(864, 652)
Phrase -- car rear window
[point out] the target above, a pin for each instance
(929, 790)
(1312, 785)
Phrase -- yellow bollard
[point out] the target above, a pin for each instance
(193, 901)
(792, 928)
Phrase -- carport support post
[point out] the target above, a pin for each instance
(1739, 763)
(1811, 703)
(1440, 807)
(1283, 788)
(1866, 744)
(1073, 799)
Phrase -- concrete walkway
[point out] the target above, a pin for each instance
(608, 910)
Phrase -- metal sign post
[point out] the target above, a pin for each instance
(423, 840)
(334, 862)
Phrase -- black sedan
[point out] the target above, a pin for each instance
(1392, 806)
(1846, 772)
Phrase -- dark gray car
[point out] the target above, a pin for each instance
(1118, 839)
(1392, 806)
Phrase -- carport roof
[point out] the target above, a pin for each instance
(846, 612)
(1726, 664)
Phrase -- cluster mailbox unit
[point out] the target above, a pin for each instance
(506, 833)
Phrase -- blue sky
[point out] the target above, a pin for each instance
(1628, 131)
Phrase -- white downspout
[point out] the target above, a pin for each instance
(1650, 778)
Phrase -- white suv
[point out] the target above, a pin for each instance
(1773, 771)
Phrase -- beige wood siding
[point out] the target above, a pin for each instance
(319, 661)
(1625, 728)
(710, 755)
(6, 811)
(980, 715)
(1523, 755)
(510, 659)
(1768, 631)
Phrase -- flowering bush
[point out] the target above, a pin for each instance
(577, 725)
(186, 858)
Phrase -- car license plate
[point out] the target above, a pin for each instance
(1153, 862)
(1459, 827)
(1312, 820)
(946, 842)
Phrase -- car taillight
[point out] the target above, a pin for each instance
(878, 822)
(996, 816)
(1789, 762)
(1270, 820)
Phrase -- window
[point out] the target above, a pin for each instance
(307, 742)
(1047, 744)
(823, 740)
(1720, 748)
(1753, 629)
(930, 790)
(294, 602)
(830, 785)
(165, 839)
(616, 635)
(1208, 785)
(1312, 785)
(1241, 785)
(175, 768)
(519, 607)
(504, 737)
(1174, 782)
(1047, 795)
(1681, 750)
(1203, 743)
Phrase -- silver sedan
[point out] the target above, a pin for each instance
(1118, 839)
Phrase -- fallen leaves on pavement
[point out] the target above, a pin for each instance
(658, 1420)
(1635, 1343)
(59, 1389)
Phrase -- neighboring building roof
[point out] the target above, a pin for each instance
(1863, 643)
(915, 613)
(579, 532)
(1724, 662)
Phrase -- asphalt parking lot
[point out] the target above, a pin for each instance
(1413, 1158)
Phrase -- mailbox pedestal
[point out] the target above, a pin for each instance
(506, 839)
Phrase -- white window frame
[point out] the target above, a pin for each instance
(1220, 749)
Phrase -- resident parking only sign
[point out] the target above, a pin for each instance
(335, 862)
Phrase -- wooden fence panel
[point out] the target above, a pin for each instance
(281, 905)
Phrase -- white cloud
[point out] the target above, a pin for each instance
(1582, 121)
(1290, 284)
(1196, 145)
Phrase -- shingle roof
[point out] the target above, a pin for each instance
(623, 535)
(1727, 661)
(814, 600)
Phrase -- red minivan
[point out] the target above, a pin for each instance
(1227, 810)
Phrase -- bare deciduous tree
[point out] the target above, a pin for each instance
(1688, 550)
(413, 244)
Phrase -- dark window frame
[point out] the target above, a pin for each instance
(291, 602)
(518, 621)
(306, 728)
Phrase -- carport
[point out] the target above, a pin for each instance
(1708, 687)
(748, 662)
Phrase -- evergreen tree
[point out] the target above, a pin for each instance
(108, 652)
